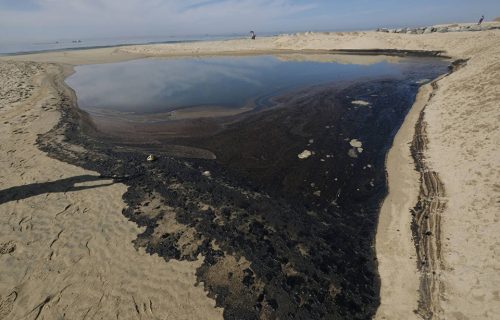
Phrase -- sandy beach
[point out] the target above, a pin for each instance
(66, 249)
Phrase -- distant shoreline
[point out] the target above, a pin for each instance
(21, 53)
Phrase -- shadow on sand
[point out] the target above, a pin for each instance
(63, 185)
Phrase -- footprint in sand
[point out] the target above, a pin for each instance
(7, 247)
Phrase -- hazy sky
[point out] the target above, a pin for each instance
(57, 19)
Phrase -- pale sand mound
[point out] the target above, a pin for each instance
(66, 254)
(455, 44)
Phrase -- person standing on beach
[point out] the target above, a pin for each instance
(253, 35)
(480, 20)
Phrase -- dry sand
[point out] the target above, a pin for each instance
(463, 148)
(463, 129)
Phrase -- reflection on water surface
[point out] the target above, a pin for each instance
(162, 85)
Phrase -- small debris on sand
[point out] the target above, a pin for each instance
(352, 153)
(206, 174)
(317, 193)
(356, 143)
(151, 158)
(360, 103)
(356, 148)
(305, 154)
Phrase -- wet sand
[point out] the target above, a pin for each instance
(468, 279)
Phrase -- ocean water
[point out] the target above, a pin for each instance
(19, 47)
(162, 85)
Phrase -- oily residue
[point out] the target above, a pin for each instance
(281, 237)
(426, 225)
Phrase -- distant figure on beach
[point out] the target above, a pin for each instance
(253, 35)
(480, 20)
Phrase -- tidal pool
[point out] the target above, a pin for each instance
(162, 85)
(286, 217)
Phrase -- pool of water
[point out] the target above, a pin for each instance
(315, 216)
(162, 85)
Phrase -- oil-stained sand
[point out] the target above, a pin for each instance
(282, 237)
